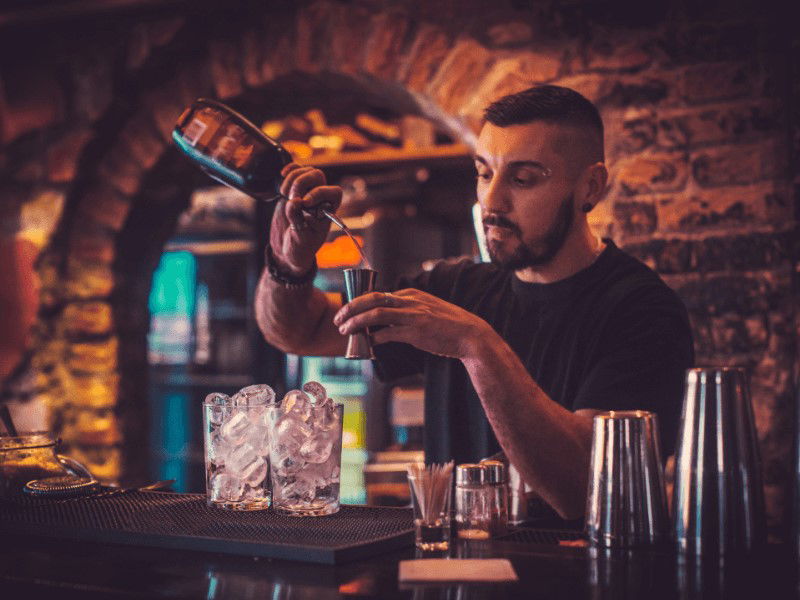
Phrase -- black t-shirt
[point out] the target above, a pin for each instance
(613, 336)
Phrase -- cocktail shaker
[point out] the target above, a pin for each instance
(718, 497)
(626, 501)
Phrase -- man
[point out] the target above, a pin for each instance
(521, 353)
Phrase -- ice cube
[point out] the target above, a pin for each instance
(286, 463)
(258, 437)
(316, 449)
(240, 458)
(289, 428)
(217, 450)
(297, 402)
(235, 428)
(326, 416)
(255, 472)
(301, 488)
(316, 391)
(254, 394)
(225, 487)
(218, 403)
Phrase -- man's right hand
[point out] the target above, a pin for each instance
(295, 234)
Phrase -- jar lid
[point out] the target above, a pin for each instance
(470, 474)
(495, 471)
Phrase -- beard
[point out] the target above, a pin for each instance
(542, 250)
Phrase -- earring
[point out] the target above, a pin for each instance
(587, 207)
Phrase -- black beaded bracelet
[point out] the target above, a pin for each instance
(286, 279)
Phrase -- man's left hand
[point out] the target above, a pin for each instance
(417, 318)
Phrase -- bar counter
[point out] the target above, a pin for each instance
(32, 567)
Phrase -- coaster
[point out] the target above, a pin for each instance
(456, 569)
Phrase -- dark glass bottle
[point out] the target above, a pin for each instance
(231, 149)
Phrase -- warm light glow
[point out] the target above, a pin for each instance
(340, 252)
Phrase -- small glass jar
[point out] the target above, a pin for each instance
(497, 482)
(472, 502)
(31, 456)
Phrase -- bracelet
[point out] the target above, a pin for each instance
(286, 279)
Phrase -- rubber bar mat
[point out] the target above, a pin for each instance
(541, 536)
(185, 522)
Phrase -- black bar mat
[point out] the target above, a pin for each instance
(526, 535)
(185, 522)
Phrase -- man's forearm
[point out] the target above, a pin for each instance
(547, 443)
(295, 320)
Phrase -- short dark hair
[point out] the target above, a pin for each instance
(548, 103)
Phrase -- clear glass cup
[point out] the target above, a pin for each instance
(236, 440)
(431, 514)
(306, 457)
(29, 456)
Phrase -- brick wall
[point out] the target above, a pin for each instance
(701, 115)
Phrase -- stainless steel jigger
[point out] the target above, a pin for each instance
(356, 283)
(626, 503)
(718, 498)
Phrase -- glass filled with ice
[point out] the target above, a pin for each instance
(236, 433)
(306, 453)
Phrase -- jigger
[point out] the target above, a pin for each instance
(626, 501)
(356, 283)
(718, 498)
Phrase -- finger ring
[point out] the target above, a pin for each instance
(387, 299)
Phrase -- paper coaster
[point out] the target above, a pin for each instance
(456, 569)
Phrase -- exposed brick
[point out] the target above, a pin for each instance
(740, 163)
(741, 294)
(93, 357)
(590, 85)
(121, 170)
(87, 281)
(750, 252)
(718, 81)
(226, 63)
(138, 49)
(464, 66)
(104, 205)
(427, 51)
(509, 35)
(651, 173)
(348, 24)
(714, 208)
(29, 99)
(277, 35)
(39, 216)
(139, 140)
(87, 318)
(707, 42)
(385, 43)
(92, 83)
(637, 133)
(165, 106)
(252, 60)
(92, 243)
(607, 52)
(163, 31)
(665, 256)
(632, 92)
(94, 391)
(508, 76)
(738, 123)
(635, 218)
(734, 334)
(311, 40)
(63, 155)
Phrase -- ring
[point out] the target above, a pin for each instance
(387, 299)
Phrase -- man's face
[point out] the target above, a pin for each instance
(525, 189)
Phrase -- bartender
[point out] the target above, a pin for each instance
(521, 353)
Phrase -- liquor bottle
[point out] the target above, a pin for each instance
(231, 149)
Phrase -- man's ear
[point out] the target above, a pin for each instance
(592, 186)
